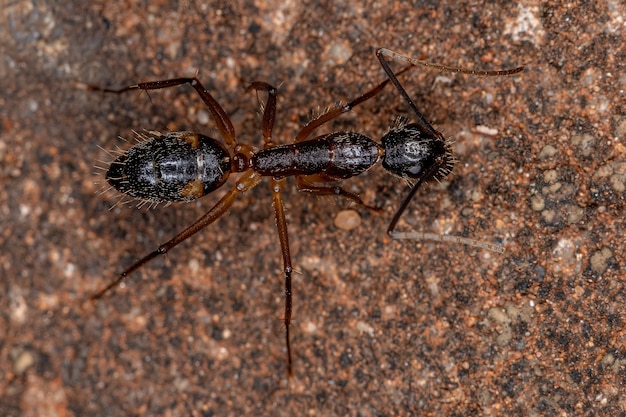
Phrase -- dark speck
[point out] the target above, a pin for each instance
(254, 28)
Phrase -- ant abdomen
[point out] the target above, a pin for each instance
(171, 167)
(339, 155)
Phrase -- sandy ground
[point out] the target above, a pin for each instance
(381, 327)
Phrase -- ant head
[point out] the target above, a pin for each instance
(411, 152)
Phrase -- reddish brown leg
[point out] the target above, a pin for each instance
(269, 110)
(224, 124)
(321, 184)
(338, 111)
(248, 181)
(227, 131)
(276, 184)
(283, 236)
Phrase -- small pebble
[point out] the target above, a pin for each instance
(347, 219)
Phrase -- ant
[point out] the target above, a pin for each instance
(184, 166)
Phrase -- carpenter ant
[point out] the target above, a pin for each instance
(184, 166)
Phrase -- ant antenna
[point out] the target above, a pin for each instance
(443, 166)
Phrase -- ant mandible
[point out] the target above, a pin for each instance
(184, 166)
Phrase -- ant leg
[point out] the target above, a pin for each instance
(338, 111)
(247, 182)
(222, 120)
(269, 116)
(321, 184)
(269, 110)
(283, 237)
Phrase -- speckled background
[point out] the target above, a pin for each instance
(381, 327)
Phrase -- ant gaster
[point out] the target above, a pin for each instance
(184, 166)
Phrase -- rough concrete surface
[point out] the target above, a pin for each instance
(381, 327)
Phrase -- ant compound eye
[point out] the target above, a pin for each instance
(416, 152)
